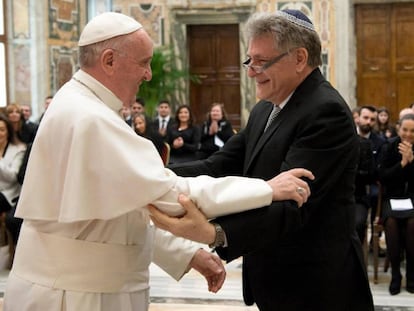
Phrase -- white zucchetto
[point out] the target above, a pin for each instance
(106, 26)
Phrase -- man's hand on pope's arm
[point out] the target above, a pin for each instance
(288, 185)
(211, 267)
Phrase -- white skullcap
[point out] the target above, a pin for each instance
(106, 26)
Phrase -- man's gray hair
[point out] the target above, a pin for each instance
(287, 35)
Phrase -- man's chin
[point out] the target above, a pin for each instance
(365, 129)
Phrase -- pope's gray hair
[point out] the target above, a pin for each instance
(89, 54)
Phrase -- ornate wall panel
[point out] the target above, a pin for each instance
(20, 23)
(19, 51)
(64, 31)
(64, 20)
(22, 73)
(151, 17)
(63, 65)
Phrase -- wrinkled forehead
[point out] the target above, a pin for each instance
(140, 44)
(262, 45)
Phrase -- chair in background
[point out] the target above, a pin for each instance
(376, 231)
(365, 245)
(165, 154)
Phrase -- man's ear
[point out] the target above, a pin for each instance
(301, 59)
(107, 61)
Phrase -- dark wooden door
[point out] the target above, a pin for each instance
(214, 57)
(385, 55)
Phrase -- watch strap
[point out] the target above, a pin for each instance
(220, 239)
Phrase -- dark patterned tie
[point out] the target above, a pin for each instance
(272, 116)
(163, 124)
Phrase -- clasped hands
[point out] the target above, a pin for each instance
(178, 142)
(406, 150)
(194, 225)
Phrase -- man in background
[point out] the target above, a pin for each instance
(139, 107)
(365, 128)
(163, 121)
(46, 104)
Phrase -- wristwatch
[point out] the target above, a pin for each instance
(220, 239)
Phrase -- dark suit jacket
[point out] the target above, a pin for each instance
(28, 132)
(376, 143)
(156, 126)
(207, 141)
(365, 171)
(297, 259)
(187, 152)
(397, 181)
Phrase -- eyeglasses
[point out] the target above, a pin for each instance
(260, 69)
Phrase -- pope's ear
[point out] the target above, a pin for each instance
(107, 60)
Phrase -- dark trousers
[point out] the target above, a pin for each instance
(361, 215)
(13, 224)
(4, 204)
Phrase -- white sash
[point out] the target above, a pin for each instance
(79, 265)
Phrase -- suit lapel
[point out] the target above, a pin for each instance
(257, 129)
(288, 110)
(263, 138)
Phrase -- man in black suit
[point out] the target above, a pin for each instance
(364, 178)
(163, 122)
(365, 128)
(307, 259)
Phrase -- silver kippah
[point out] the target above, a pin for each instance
(296, 17)
(106, 26)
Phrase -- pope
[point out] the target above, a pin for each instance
(86, 241)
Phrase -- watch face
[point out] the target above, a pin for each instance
(220, 237)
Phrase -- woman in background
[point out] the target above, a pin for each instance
(396, 173)
(141, 128)
(183, 136)
(383, 126)
(215, 131)
(11, 157)
(24, 132)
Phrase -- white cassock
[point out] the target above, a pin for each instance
(86, 242)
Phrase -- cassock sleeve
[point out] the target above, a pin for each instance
(98, 168)
(173, 254)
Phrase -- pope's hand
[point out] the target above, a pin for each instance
(289, 185)
(211, 267)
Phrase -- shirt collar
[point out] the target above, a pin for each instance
(284, 102)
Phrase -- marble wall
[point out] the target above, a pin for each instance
(42, 37)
